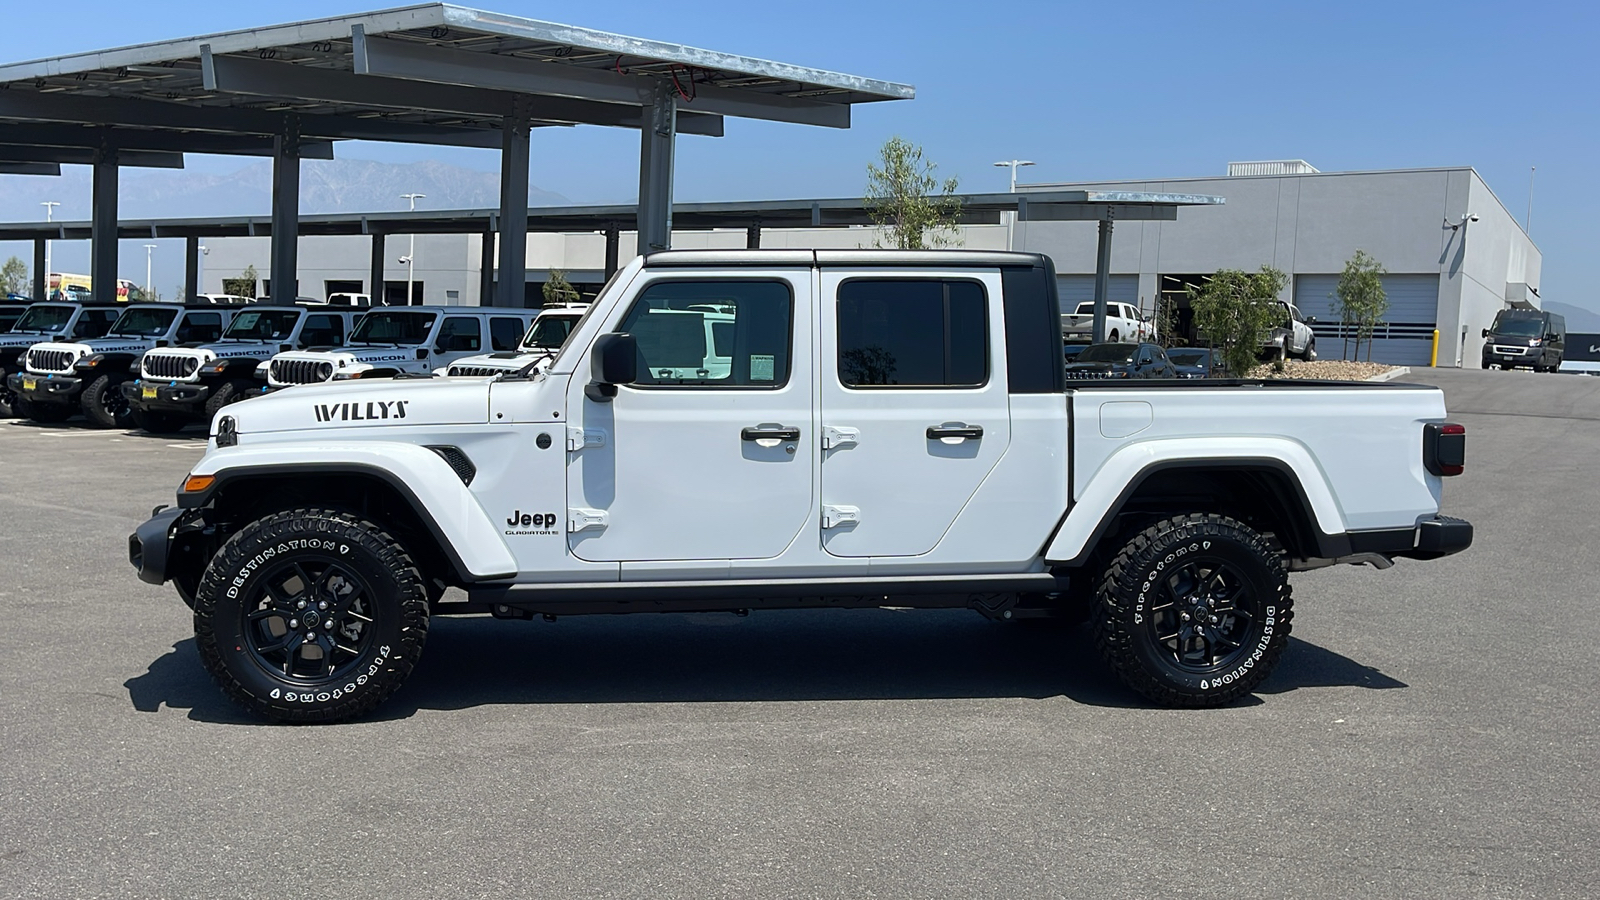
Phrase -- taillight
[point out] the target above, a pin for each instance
(1444, 448)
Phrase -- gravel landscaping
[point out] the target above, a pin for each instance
(1325, 370)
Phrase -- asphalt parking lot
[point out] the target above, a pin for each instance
(1433, 730)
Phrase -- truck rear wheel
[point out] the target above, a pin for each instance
(311, 615)
(103, 404)
(1194, 611)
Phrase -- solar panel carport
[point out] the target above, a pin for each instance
(433, 73)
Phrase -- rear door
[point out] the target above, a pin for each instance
(914, 404)
(710, 454)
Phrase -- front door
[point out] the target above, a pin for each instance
(915, 411)
(709, 455)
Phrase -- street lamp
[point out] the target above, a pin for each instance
(148, 293)
(200, 270)
(1012, 164)
(49, 208)
(410, 258)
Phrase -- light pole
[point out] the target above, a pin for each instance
(1011, 218)
(410, 259)
(148, 293)
(200, 270)
(49, 208)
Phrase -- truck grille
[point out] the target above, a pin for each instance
(157, 365)
(1510, 351)
(301, 371)
(476, 371)
(1087, 375)
(51, 360)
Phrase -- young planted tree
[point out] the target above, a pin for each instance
(1362, 302)
(558, 290)
(244, 285)
(1235, 311)
(908, 201)
(14, 277)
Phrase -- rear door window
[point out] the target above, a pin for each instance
(460, 334)
(909, 333)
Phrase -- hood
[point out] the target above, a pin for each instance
(294, 367)
(489, 364)
(355, 404)
(119, 344)
(22, 340)
(236, 349)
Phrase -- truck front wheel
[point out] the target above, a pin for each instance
(311, 615)
(1194, 611)
(104, 406)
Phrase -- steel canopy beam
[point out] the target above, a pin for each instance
(237, 75)
(1066, 212)
(29, 168)
(103, 227)
(419, 62)
(83, 156)
(47, 134)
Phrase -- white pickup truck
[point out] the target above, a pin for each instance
(1124, 323)
(890, 429)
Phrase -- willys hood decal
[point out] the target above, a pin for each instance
(407, 401)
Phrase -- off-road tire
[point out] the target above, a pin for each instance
(47, 413)
(228, 393)
(157, 422)
(1144, 591)
(103, 404)
(1113, 338)
(285, 550)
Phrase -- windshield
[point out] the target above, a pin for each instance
(394, 328)
(144, 322)
(1087, 309)
(262, 325)
(1519, 327)
(549, 332)
(44, 318)
(1181, 357)
(1112, 353)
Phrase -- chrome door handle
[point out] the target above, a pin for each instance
(766, 432)
(954, 430)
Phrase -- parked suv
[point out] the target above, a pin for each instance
(1121, 361)
(541, 344)
(61, 378)
(178, 385)
(1525, 337)
(47, 322)
(415, 340)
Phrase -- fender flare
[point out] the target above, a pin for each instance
(1110, 488)
(451, 513)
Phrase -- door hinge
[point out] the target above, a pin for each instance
(836, 436)
(579, 519)
(584, 438)
(835, 516)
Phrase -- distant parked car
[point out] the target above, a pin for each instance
(1071, 351)
(349, 299)
(1123, 321)
(1192, 362)
(222, 299)
(1121, 361)
(1292, 337)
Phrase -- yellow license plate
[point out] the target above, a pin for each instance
(29, 384)
(148, 392)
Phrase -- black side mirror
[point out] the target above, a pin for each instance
(1486, 332)
(614, 361)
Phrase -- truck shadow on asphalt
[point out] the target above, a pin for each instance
(771, 657)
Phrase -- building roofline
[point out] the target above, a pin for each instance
(1068, 185)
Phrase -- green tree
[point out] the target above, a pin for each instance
(14, 277)
(1362, 301)
(1235, 311)
(908, 201)
(244, 285)
(558, 290)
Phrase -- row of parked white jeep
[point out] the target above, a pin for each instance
(161, 366)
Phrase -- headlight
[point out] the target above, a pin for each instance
(325, 371)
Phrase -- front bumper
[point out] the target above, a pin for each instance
(46, 388)
(170, 397)
(151, 544)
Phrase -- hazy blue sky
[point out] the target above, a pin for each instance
(1090, 91)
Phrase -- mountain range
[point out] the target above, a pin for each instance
(1583, 321)
(326, 186)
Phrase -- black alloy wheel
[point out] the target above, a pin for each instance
(104, 405)
(312, 620)
(1195, 610)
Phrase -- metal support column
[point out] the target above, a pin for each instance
(656, 144)
(39, 282)
(286, 213)
(191, 267)
(103, 226)
(513, 269)
(1102, 280)
(613, 247)
(375, 273)
(486, 269)
(752, 236)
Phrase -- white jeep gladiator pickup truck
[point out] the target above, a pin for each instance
(889, 429)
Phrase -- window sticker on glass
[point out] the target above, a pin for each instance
(761, 368)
